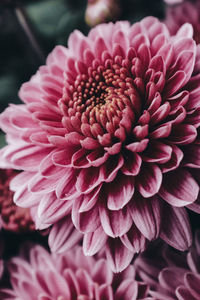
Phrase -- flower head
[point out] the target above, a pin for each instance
(107, 136)
(13, 217)
(188, 12)
(69, 276)
(174, 275)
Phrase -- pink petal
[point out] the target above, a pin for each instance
(176, 228)
(134, 240)
(160, 114)
(195, 206)
(184, 294)
(192, 156)
(138, 146)
(146, 214)
(183, 134)
(179, 188)
(50, 209)
(86, 221)
(161, 132)
(115, 223)
(171, 278)
(97, 158)
(175, 83)
(185, 61)
(174, 162)
(119, 192)
(22, 196)
(93, 242)
(88, 179)
(118, 256)
(65, 188)
(149, 180)
(87, 201)
(85, 283)
(47, 168)
(63, 236)
(70, 278)
(157, 152)
(185, 30)
(192, 281)
(127, 290)
(110, 169)
(39, 184)
(104, 292)
(101, 273)
(132, 164)
(28, 157)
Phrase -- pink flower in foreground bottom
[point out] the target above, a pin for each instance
(107, 138)
(175, 275)
(188, 12)
(69, 276)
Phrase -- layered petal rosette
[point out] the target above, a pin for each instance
(69, 276)
(188, 12)
(173, 275)
(108, 137)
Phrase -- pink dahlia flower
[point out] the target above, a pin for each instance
(99, 11)
(174, 275)
(69, 276)
(108, 137)
(13, 217)
(188, 12)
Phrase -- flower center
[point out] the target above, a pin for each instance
(102, 95)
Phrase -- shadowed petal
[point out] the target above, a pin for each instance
(119, 257)
(179, 188)
(176, 228)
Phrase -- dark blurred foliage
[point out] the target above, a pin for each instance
(51, 22)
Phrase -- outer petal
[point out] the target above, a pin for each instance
(63, 236)
(179, 188)
(94, 241)
(146, 214)
(149, 180)
(115, 223)
(176, 228)
(119, 257)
